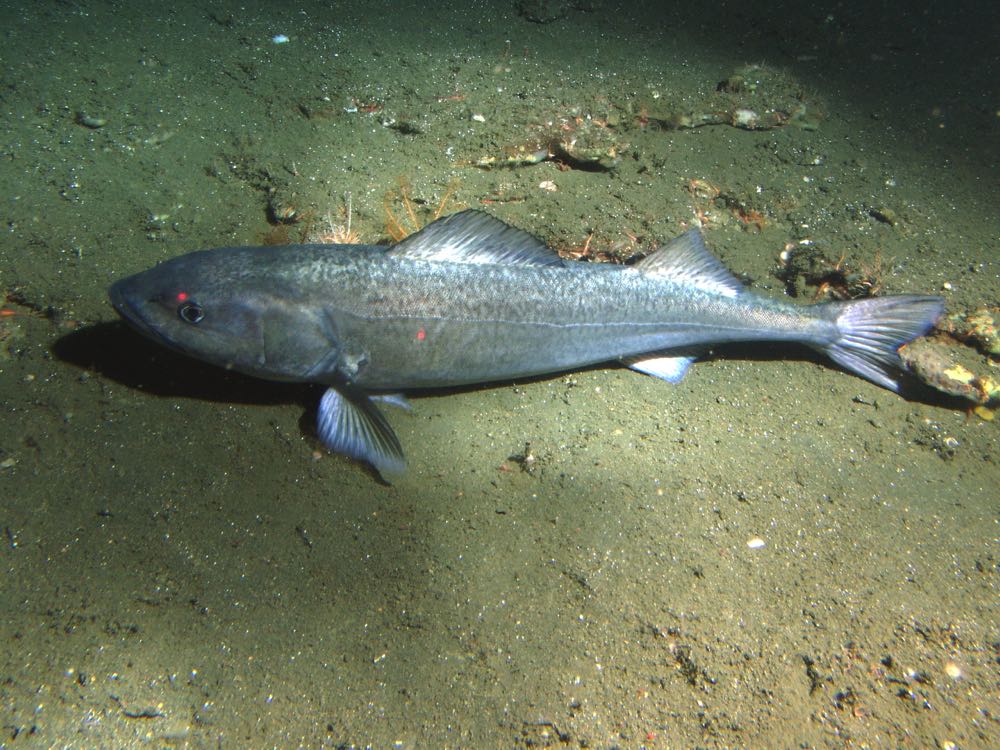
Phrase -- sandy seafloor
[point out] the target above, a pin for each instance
(183, 567)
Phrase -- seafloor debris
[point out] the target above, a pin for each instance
(573, 140)
(711, 201)
(400, 227)
(804, 264)
(590, 136)
(942, 362)
(547, 11)
(753, 97)
(978, 328)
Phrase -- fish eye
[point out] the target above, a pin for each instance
(190, 312)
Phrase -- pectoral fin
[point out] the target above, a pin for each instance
(349, 423)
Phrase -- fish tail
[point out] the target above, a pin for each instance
(871, 331)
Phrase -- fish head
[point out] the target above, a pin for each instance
(232, 308)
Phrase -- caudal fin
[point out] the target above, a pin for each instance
(872, 330)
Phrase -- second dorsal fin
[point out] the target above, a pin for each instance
(686, 260)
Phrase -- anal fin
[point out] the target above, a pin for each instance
(670, 366)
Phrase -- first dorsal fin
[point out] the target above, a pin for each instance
(475, 237)
(686, 260)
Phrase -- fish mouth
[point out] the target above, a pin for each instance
(121, 300)
(124, 296)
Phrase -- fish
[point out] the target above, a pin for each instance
(470, 299)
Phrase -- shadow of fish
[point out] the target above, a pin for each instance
(470, 299)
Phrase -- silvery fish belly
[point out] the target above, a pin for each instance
(469, 299)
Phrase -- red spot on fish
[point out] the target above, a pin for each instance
(421, 334)
(181, 296)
